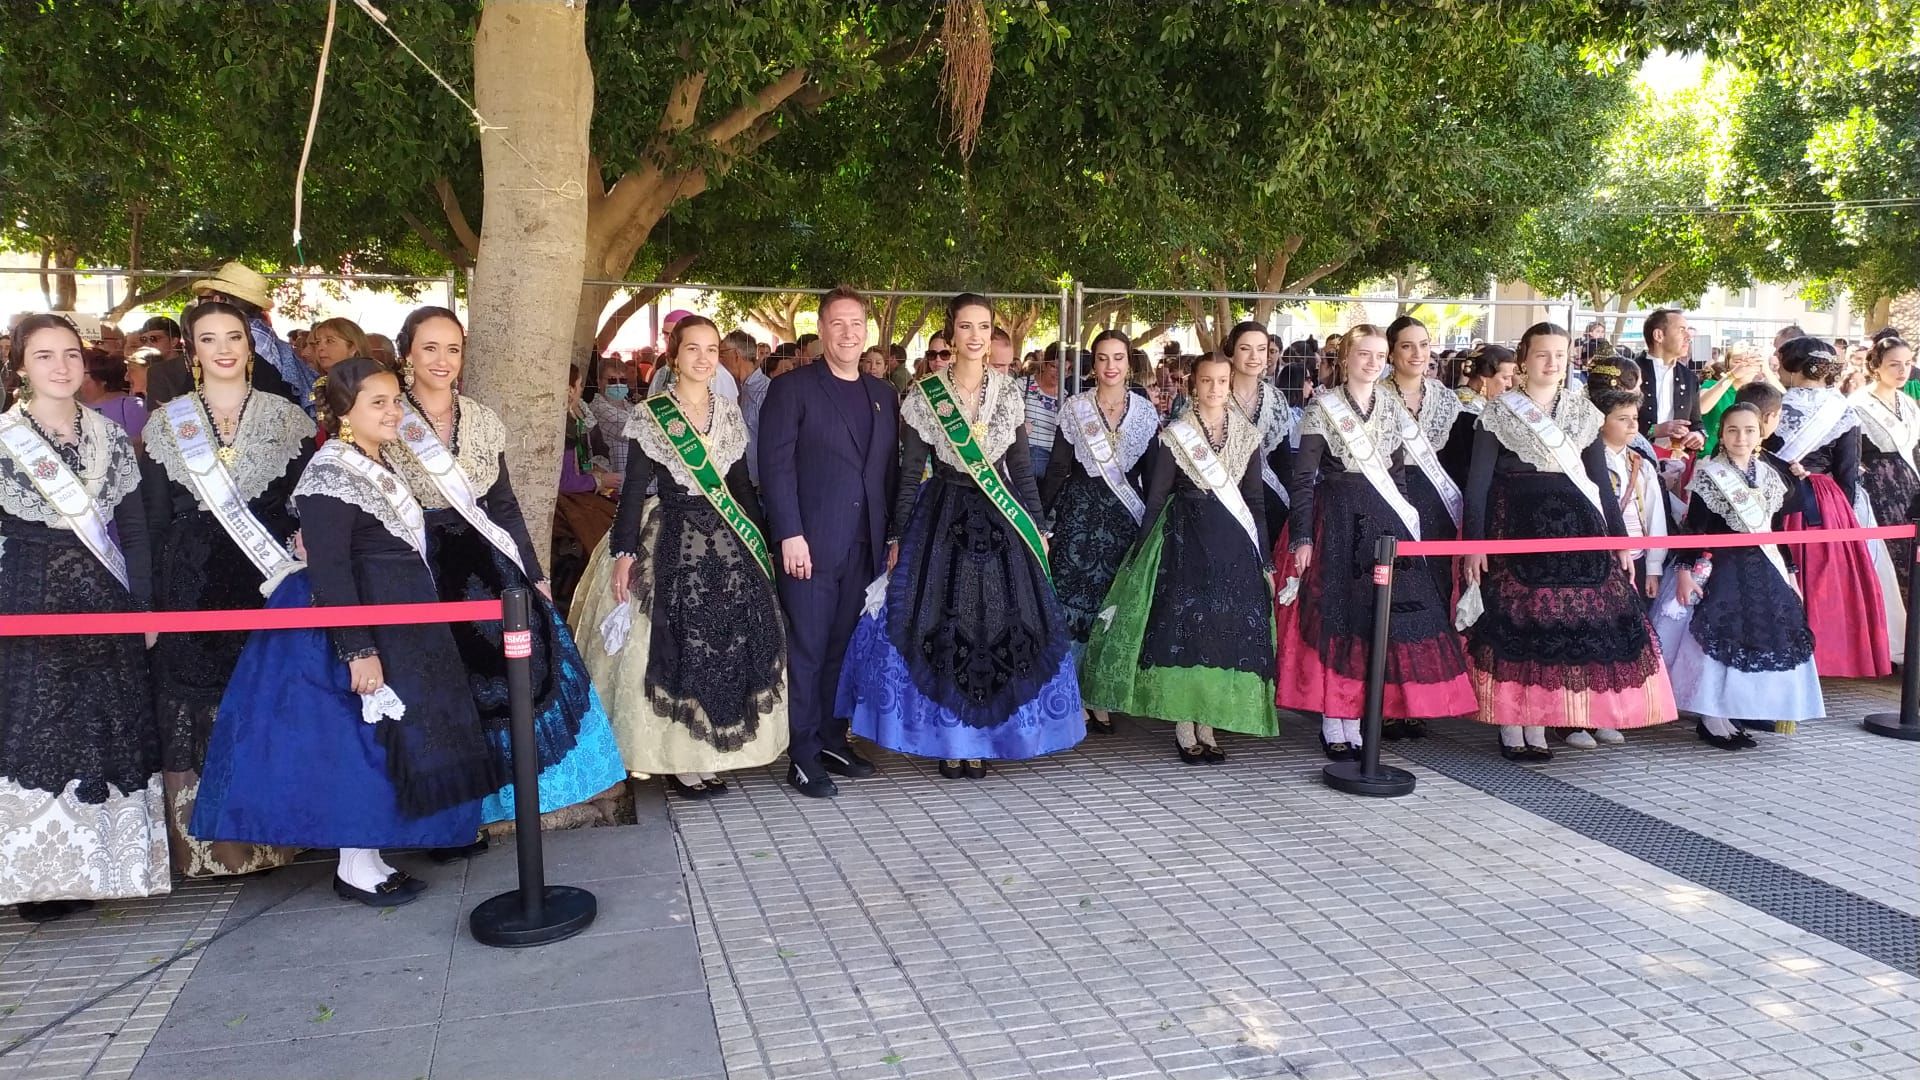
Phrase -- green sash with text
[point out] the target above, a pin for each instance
(693, 453)
(960, 434)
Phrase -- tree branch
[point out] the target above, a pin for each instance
(167, 287)
(775, 94)
(456, 217)
(1153, 331)
(439, 244)
(1652, 278)
(640, 298)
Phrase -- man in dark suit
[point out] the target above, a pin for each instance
(1670, 391)
(829, 458)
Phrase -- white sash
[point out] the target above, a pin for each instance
(445, 473)
(1361, 450)
(1269, 398)
(1414, 435)
(1214, 472)
(1549, 435)
(1816, 431)
(1085, 415)
(213, 484)
(1749, 510)
(1902, 433)
(65, 493)
(404, 506)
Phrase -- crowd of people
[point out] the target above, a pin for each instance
(763, 550)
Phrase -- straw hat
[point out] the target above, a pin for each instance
(238, 280)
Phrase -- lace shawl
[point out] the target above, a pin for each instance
(1131, 439)
(108, 470)
(1243, 440)
(1799, 406)
(1005, 410)
(271, 433)
(482, 438)
(726, 443)
(325, 475)
(1872, 415)
(1571, 410)
(1771, 489)
(1389, 417)
(1438, 409)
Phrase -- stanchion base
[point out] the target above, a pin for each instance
(1386, 782)
(1888, 724)
(499, 922)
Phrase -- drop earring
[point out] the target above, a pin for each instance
(346, 429)
(406, 374)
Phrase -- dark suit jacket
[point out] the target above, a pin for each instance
(1686, 394)
(813, 481)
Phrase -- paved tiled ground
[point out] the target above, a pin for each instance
(1107, 913)
(1112, 913)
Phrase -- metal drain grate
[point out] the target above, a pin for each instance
(1868, 927)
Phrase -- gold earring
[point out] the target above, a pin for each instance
(406, 374)
(249, 370)
(346, 429)
(196, 375)
(26, 391)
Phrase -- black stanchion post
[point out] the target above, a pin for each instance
(1904, 724)
(1367, 776)
(536, 913)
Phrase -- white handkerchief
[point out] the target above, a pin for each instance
(1289, 592)
(1106, 617)
(876, 597)
(614, 628)
(382, 704)
(1470, 609)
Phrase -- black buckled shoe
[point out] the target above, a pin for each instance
(1414, 729)
(1196, 755)
(1393, 730)
(845, 762)
(688, 791)
(976, 769)
(1723, 742)
(1336, 751)
(392, 892)
(1098, 726)
(816, 786)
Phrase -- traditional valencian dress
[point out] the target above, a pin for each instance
(1890, 481)
(299, 759)
(699, 684)
(1820, 431)
(478, 544)
(1564, 640)
(1743, 651)
(1431, 490)
(1350, 488)
(966, 655)
(1093, 492)
(1273, 418)
(82, 812)
(221, 517)
(1190, 635)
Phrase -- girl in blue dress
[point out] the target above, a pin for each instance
(966, 656)
(357, 738)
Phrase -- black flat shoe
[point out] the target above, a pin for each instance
(818, 786)
(389, 893)
(1415, 729)
(1212, 753)
(688, 791)
(1745, 740)
(407, 881)
(1393, 730)
(1538, 753)
(42, 911)
(455, 854)
(717, 786)
(1098, 726)
(953, 770)
(1337, 751)
(1514, 753)
(1195, 756)
(845, 762)
(1723, 742)
(976, 769)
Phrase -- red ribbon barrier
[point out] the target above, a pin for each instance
(1639, 543)
(307, 618)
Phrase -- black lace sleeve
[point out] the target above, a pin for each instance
(328, 525)
(156, 495)
(1301, 483)
(1486, 453)
(1846, 463)
(625, 538)
(1017, 465)
(1160, 474)
(1253, 488)
(274, 506)
(1280, 460)
(130, 521)
(503, 506)
(914, 453)
(1059, 467)
(740, 486)
(1594, 457)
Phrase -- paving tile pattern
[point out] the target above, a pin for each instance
(113, 966)
(1111, 913)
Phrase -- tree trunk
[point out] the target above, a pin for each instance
(1903, 314)
(531, 77)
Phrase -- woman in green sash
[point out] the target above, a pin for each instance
(698, 685)
(965, 658)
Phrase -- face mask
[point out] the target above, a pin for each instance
(617, 392)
